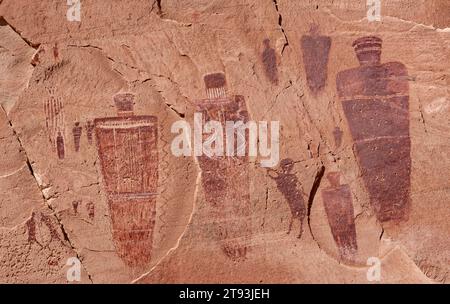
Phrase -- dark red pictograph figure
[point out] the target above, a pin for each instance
(90, 208)
(225, 179)
(128, 151)
(60, 146)
(75, 205)
(289, 185)
(76, 132)
(376, 104)
(338, 203)
(315, 49)
(55, 51)
(337, 134)
(89, 131)
(269, 59)
(34, 227)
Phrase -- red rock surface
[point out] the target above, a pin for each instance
(364, 167)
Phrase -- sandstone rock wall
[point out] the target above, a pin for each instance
(364, 141)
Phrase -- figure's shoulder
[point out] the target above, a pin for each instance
(349, 74)
(396, 68)
(346, 77)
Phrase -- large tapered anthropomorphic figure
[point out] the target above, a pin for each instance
(375, 100)
(128, 151)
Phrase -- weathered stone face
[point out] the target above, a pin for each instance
(89, 100)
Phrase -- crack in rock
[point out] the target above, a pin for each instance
(280, 24)
(4, 22)
(49, 206)
(312, 195)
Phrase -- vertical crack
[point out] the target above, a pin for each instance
(49, 206)
(280, 24)
(312, 194)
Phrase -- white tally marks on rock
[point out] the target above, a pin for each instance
(214, 144)
(215, 93)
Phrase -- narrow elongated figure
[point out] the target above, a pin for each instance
(269, 59)
(337, 199)
(76, 132)
(225, 179)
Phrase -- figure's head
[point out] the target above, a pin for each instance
(287, 165)
(368, 50)
(266, 42)
(215, 84)
(314, 29)
(334, 178)
(124, 103)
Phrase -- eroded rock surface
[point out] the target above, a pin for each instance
(90, 109)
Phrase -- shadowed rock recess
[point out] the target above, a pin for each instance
(105, 105)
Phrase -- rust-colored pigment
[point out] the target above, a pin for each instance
(76, 132)
(289, 185)
(315, 50)
(337, 134)
(90, 208)
(89, 131)
(60, 146)
(54, 123)
(338, 203)
(376, 104)
(225, 179)
(127, 147)
(75, 205)
(269, 59)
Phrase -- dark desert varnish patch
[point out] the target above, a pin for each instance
(269, 59)
(225, 179)
(127, 147)
(337, 200)
(376, 104)
(289, 185)
(315, 50)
